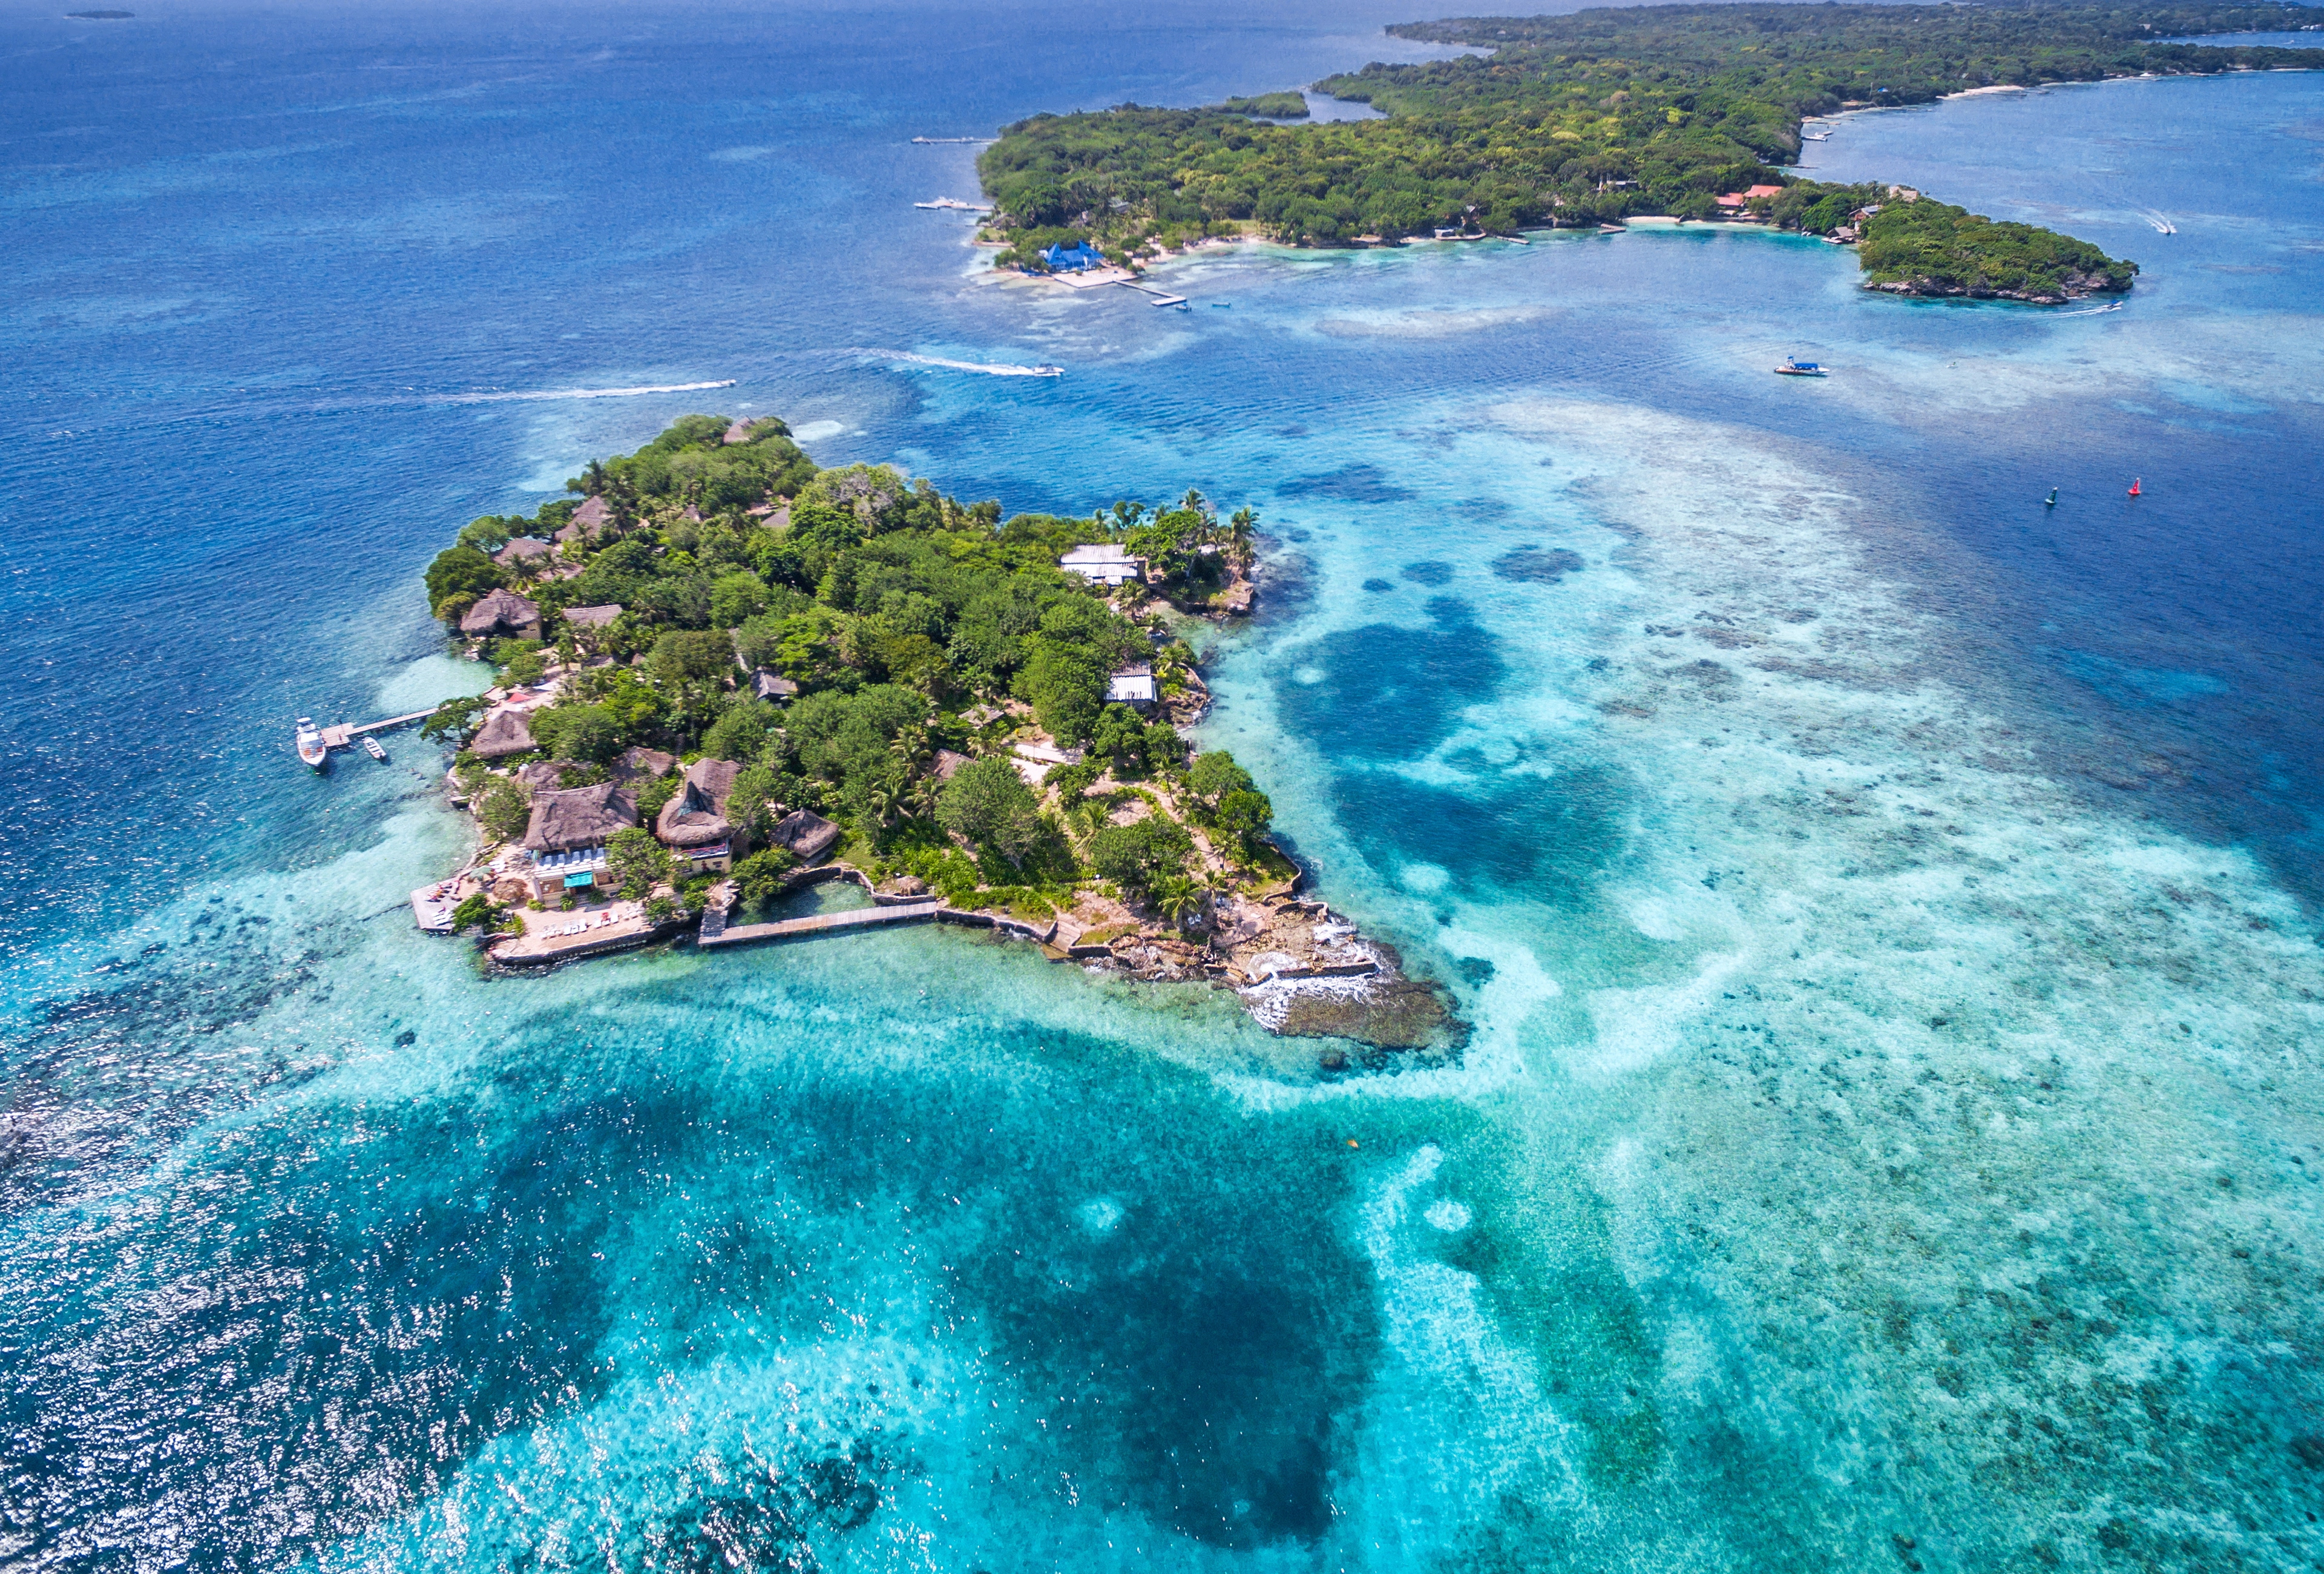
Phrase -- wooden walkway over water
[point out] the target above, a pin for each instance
(814, 924)
(341, 736)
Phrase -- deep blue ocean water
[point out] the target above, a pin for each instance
(1886, 906)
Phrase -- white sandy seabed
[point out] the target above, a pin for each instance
(1948, 1144)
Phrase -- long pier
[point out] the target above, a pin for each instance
(818, 923)
(1161, 298)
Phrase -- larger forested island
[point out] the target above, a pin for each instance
(726, 674)
(1594, 117)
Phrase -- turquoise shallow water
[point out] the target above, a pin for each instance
(1884, 908)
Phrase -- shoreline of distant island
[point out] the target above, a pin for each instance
(1587, 120)
(725, 675)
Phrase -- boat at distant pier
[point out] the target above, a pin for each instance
(311, 743)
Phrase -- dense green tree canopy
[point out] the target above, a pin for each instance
(1573, 119)
(988, 804)
(909, 624)
(1136, 855)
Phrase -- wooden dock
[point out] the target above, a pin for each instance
(1161, 298)
(341, 736)
(818, 923)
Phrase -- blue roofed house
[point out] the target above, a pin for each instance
(1073, 259)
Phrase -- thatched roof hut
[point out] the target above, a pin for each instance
(579, 816)
(696, 814)
(770, 685)
(593, 516)
(948, 765)
(642, 764)
(544, 775)
(593, 616)
(502, 612)
(525, 547)
(505, 732)
(806, 834)
(751, 426)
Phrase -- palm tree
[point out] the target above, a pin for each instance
(1179, 898)
(1196, 502)
(921, 797)
(1170, 665)
(908, 750)
(1243, 527)
(886, 797)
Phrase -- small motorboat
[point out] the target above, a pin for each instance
(1795, 367)
(1049, 371)
(371, 747)
(2133, 487)
(2051, 500)
(311, 743)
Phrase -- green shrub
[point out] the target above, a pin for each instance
(636, 862)
(988, 804)
(1135, 855)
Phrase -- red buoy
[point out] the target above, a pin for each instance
(2134, 486)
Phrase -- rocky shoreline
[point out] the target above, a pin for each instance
(1299, 969)
(2078, 287)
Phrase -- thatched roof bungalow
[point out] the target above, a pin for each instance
(527, 548)
(579, 816)
(593, 616)
(806, 835)
(774, 686)
(696, 814)
(640, 765)
(593, 516)
(505, 732)
(499, 613)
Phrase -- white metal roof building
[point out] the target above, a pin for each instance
(1106, 564)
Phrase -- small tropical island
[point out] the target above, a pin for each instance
(725, 675)
(1587, 120)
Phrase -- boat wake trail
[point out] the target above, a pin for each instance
(989, 369)
(579, 393)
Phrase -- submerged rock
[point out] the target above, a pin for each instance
(1386, 1012)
